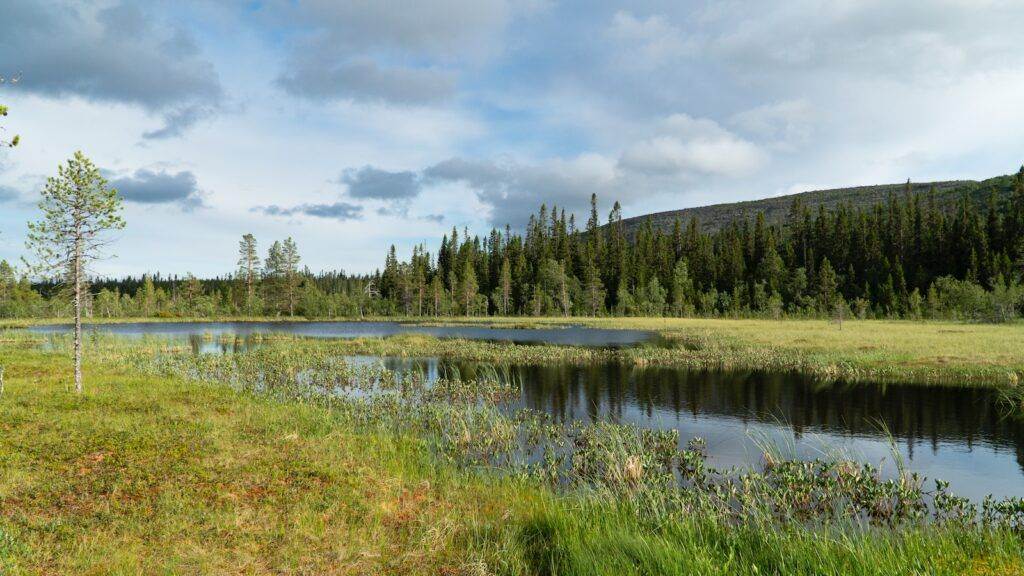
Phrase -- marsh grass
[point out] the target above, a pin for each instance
(880, 351)
(912, 352)
(283, 459)
(466, 423)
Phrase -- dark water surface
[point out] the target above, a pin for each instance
(570, 335)
(957, 434)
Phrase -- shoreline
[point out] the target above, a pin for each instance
(860, 351)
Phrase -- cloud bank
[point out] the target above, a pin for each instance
(149, 187)
(341, 211)
(115, 54)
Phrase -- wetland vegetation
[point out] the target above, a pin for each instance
(286, 456)
(931, 352)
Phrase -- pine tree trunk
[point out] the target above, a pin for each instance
(291, 297)
(248, 289)
(78, 319)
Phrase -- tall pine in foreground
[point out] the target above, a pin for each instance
(79, 210)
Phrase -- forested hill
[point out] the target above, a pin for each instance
(713, 218)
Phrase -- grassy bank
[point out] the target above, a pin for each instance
(156, 474)
(870, 350)
(863, 350)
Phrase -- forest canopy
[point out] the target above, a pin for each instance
(909, 256)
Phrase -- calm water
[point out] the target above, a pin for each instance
(571, 335)
(959, 435)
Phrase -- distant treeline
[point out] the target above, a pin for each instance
(910, 257)
(906, 257)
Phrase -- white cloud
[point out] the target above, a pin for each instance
(515, 190)
(649, 42)
(688, 146)
(786, 124)
(913, 41)
(679, 154)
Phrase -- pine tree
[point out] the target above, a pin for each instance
(419, 288)
(1015, 226)
(79, 211)
(192, 290)
(249, 269)
(292, 278)
(437, 294)
(281, 271)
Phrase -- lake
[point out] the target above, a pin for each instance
(956, 434)
(568, 335)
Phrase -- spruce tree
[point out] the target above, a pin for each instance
(505, 287)
(468, 287)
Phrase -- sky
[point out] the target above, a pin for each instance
(354, 125)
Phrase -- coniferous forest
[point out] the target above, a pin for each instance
(908, 257)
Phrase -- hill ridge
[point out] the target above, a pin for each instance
(776, 208)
